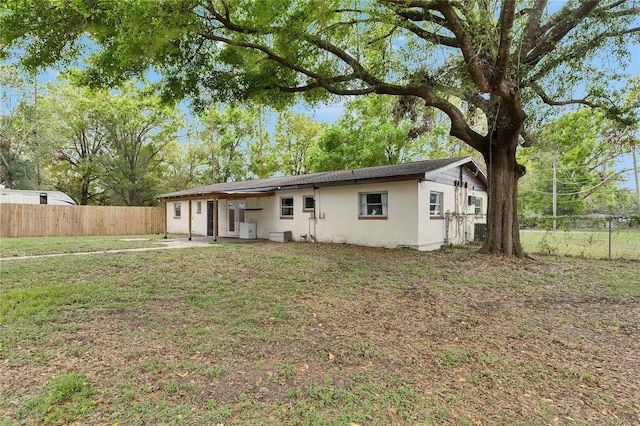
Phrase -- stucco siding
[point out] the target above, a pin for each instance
(456, 224)
(177, 225)
(268, 218)
(180, 225)
(339, 220)
(199, 225)
(431, 230)
(338, 216)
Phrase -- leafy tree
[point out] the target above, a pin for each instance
(185, 165)
(16, 171)
(18, 128)
(580, 145)
(28, 131)
(227, 134)
(296, 140)
(613, 201)
(380, 129)
(374, 130)
(505, 59)
(138, 128)
(263, 162)
(630, 134)
(79, 168)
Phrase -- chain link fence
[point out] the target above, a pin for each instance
(594, 236)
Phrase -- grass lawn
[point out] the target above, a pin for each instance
(318, 334)
(12, 247)
(594, 244)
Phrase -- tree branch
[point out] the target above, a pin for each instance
(362, 73)
(428, 35)
(422, 4)
(459, 126)
(270, 54)
(329, 85)
(325, 45)
(627, 31)
(531, 34)
(529, 139)
(547, 100)
(420, 16)
(470, 56)
(567, 20)
(417, 12)
(507, 15)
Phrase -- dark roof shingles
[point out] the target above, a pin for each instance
(337, 176)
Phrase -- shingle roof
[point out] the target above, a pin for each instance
(379, 173)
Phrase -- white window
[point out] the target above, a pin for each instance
(199, 207)
(435, 203)
(308, 204)
(373, 204)
(176, 210)
(286, 207)
(478, 206)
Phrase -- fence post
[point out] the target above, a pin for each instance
(610, 231)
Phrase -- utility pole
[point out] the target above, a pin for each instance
(260, 141)
(555, 191)
(35, 130)
(635, 175)
(212, 134)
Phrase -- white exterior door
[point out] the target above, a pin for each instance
(235, 215)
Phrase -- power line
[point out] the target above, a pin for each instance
(577, 192)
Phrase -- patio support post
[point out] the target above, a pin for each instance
(215, 219)
(166, 217)
(190, 218)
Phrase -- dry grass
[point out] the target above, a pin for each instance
(308, 334)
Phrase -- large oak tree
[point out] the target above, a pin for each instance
(503, 58)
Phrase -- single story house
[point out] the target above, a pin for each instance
(422, 205)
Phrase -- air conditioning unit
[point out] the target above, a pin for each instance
(479, 232)
(248, 230)
(472, 200)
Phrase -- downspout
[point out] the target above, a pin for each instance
(316, 205)
(465, 211)
(456, 209)
(459, 207)
(447, 217)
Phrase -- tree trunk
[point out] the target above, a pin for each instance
(133, 197)
(84, 194)
(504, 172)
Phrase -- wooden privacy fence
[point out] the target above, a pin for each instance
(35, 220)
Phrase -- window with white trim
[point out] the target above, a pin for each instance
(308, 204)
(286, 207)
(373, 204)
(176, 210)
(198, 207)
(435, 204)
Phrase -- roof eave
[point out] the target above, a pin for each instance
(265, 192)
